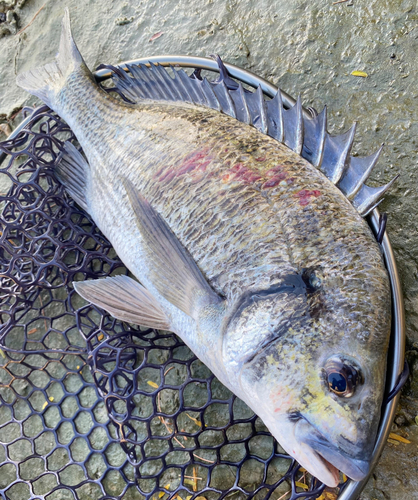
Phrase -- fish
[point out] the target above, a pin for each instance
(242, 222)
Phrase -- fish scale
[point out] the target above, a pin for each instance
(247, 251)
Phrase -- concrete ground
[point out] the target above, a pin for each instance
(310, 48)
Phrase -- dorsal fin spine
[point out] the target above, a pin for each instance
(186, 83)
(357, 173)
(368, 197)
(280, 114)
(231, 106)
(247, 114)
(336, 154)
(262, 107)
(320, 153)
(345, 154)
(166, 82)
(210, 95)
(184, 95)
(299, 126)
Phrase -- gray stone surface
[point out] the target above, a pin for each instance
(305, 47)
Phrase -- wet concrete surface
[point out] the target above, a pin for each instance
(310, 48)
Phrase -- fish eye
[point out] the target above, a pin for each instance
(341, 377)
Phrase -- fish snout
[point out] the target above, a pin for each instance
(351, 458)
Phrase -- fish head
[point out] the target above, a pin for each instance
(312, 366)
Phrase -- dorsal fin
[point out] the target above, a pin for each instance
(307, 137)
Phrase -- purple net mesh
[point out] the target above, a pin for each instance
(91, 407)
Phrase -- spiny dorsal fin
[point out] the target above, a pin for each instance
(306, 136)
(174, 274)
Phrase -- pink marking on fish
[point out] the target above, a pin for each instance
(197, 161)
(274, 181)
(245, 174)
(305, 196)
(251, 177)
(239, 167)
(167, 176)
(273, 171)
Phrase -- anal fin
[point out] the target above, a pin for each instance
(124, 299)
(72, 170)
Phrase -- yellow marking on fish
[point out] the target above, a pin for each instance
(401, 439)
(152, 384)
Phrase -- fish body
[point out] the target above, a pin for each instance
(245, 250)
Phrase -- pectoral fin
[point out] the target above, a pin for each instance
(174, 273)
(125, 299)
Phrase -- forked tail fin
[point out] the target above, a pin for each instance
(45, 81)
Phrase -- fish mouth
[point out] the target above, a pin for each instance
(334, 458)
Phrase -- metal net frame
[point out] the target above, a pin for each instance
(91, 407)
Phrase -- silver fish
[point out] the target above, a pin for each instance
(246, 250)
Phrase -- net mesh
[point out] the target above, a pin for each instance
(94, 408)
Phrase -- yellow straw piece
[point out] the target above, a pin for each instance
(327, 495)
(51, 398)
(2, 354)
(152, 384)
(302, 485)
(396, 437)
(363, 74)
(195, 420)
(45, 405)
(100, 337)
(392, 441)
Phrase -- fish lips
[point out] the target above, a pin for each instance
(354, 468)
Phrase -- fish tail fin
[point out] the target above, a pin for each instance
(45, 81)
